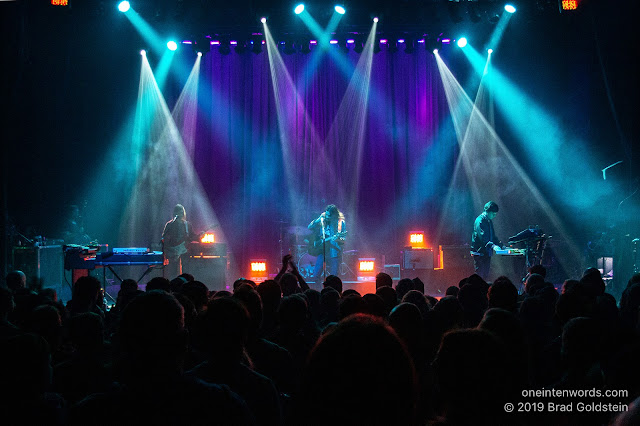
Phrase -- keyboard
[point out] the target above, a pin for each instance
(110, 258)
(509, 252)
(130, 250)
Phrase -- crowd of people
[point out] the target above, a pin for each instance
(280, 353)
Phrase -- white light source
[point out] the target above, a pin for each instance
(375, 19)
(299, 9)
(340, 9)
(143, 52)
(124, 6)
(510, 8)
(462, 42)
(172, 45)
(263, 20)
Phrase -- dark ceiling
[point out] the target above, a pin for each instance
(240, 18)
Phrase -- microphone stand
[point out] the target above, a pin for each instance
(324, 252)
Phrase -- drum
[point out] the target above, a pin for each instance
(306, 265)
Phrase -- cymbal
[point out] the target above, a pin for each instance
(299, 230)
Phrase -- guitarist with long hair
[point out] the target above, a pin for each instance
(330, 230)
(177, 233)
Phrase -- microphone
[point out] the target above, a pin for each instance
(175, 218)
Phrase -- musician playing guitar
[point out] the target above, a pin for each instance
(177, 233)
(330, 230)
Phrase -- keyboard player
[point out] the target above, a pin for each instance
(484, 239)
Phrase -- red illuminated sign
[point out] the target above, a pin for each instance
(60, 2)
(569, 4)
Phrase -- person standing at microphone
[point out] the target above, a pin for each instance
(330, 229)
(177, 232)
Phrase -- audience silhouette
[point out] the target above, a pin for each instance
(281, 353)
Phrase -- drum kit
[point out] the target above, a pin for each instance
(298, 238)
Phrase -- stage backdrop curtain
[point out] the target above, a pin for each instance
(262, 176)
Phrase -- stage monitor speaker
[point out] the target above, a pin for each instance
(457, 264)
(209, 270)
(417, 259)
(42, 265)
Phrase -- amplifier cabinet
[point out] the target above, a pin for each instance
(211, 270)
(457, 264)
(417, 258)
(43, 263)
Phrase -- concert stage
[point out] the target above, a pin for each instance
(412, 121)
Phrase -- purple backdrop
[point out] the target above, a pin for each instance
(407, 150)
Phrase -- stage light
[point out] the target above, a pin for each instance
(375, 19)
(366, 269)
(208, 238)
(143, 52)
(366, 265)
(509, 8)
(258, 270)
(263, 20)
(462, 42)
(299, 9)
(172, 45)
(340, 9)
(123, 6)
(416, 239)
(199, 53)
(258, 265)
(489, 51)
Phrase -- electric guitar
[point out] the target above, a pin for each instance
(315, 246)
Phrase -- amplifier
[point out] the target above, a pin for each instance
(209, 269)
(44, 263)
(417, 258)
(457, 263)
(207, 249)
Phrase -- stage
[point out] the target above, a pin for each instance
(411, 121)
